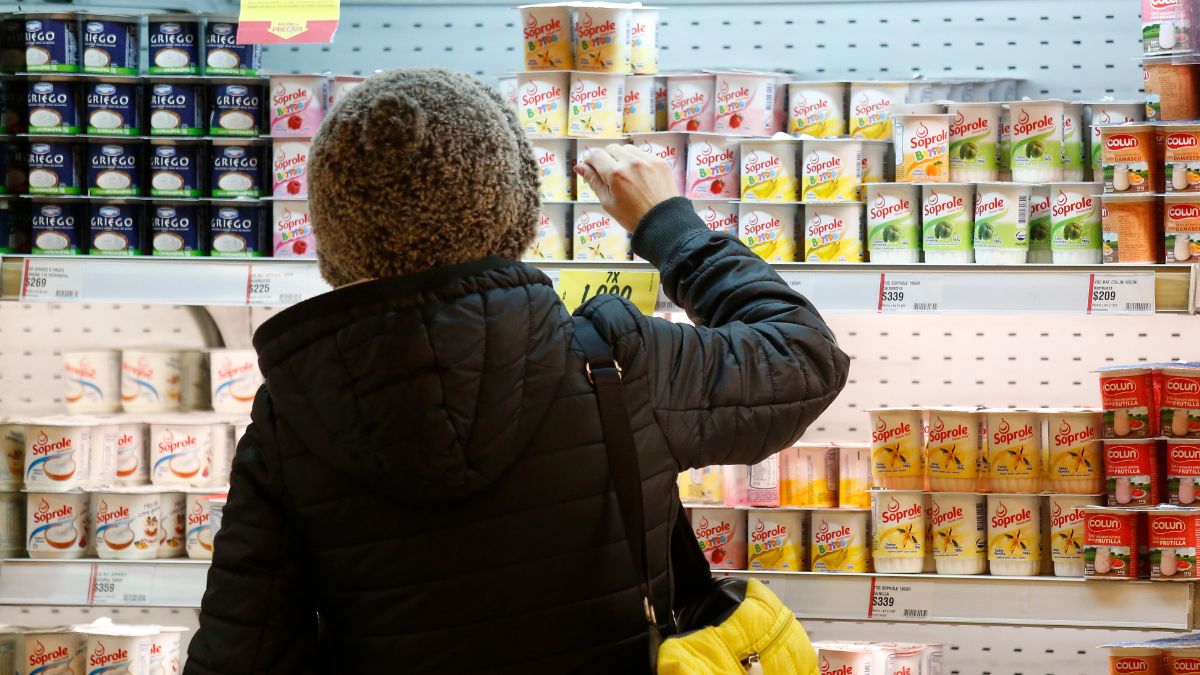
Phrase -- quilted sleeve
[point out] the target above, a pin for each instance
(759, 365)
(256, 616)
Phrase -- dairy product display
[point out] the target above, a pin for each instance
(899, 523)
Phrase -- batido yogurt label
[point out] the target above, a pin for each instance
(175, 109)
(110, 46)
(297, 104)
(112, 108)
(236, 169)
(53, 107)
(289, 168)
(292, 231)
(51, 44)
(174, 45)
(235, 109)
(115, 228)
(237, 230)
(113, 170)
(174, 170)
(55, 228)
(175, 229)
(225, 55)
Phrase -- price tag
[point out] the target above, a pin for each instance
(892, 600)
(284, 284)
(910, 293)
(576, 287)
(122, 585)
(52, 280)
(1121, 294)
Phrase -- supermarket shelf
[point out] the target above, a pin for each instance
(123, 583)
(1024, 601)
(833, 288)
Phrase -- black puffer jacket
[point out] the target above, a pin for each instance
(425, 472)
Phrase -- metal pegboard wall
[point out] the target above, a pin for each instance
(1064, 48)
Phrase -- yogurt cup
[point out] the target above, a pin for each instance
(839, 540)
(165, 649)
(174, 44)
(553, 239)
(854, 475)
(1005, 146)
(893, 222)
(583, 148)
(745, 103)
(173, 533)
(58, 453)
(1103, 113)
(974, 141)
(114, 169)
(830, 170)
(845, 658)
(56, 523)
(291, 231)
(1075, 231)
(1075, 453)
(947, 223)
(1014, 450)
(922, 147)
(954, 449)
(712, 167)
(92, 381)
(1181, 157)
(548, 40)
(195, 389)
(180, 453)
(554, 159)
(112, 107)
(596, 105)
(55, 227)
(235, 108)
(639, 113)
(809, 476)
(1135, 660)
(175, 108)
(151, 380)
(126, 523)
(769, 230)
(1111, 542)
(876, 166)
(897, 448)
(344, 84)
(111, 45)
(1129, 159)
(718, 215)
(199, 540)
(1014, 531)
(1173, 538)
(690, 102)
(296, 104)
(1037, 141)
(235, 380)
(662, 116)
(1181, 660)
(603, 37)
(833, 232)
(1002, 223)
(1131, 469)
(899, 523)
(598, 236)
(777, 540)
(768, 171)
(1066, 532)
(237, 169)
(55, 167)
(1168, 27)
(721, 534)
(1183, 471)
(52, 42)
(54, 651)
(1181, 228)
(1040, 252)
(1180, 401)
(132, 459)
(53, 105)
(817, 109)
(958, 521)
(118, 649)
(542, 102)
(1128, 399)
(1074, 164)
(643, 54)
(238, 230)
(224, 54)
(12, 455)
(12, 524)
(176, 229)
(1130, 228)
(870, 108)
(670, 146)
(289, 167)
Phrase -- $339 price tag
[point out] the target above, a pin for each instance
(907, 293)
(576, 287)
(899, 600)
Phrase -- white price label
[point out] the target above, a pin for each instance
(282, 284)
(891, 600)
(52, 280)
(1121, 294)
(909, 293)
(121, 585)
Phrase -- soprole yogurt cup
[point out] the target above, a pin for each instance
(132, 459)
(1129, 158)
(974, 141)
(596, 105)
(639, 114)
(718, 215)
(1181, 227)
(899, 523)
(671, 146)
(1111, 539)
(1074, 165)
(745, 103)
(1075, 228)
(1180, 402)
(175, 108)
(235, 380)
(235, 108)
(292, 232)
(117, 649)
(833, 232)
(199, 541)
(854, 475)
(56, 524)
(809, 476)
(53, 105)
(1014, 531)
(542, 102)
(769, 230)
(643, 54)
(554, 159)
(1173, 537)
(690, 102)
(92, 381)
(768, 171)
(947, 222)
(598, 236)
(831, 169)
(897, 448)
(1002, 223)
(224, 55)
(777, 540)
(151, 380)
(58, 453)
(870, 107)
(180, 453)
(174, 44)
(173, 533)
(958, 521)
(839, 540)
(54, 651)
(603, 37)
(1036, 155)
(1130, 226)
(1066, 532)
(817, 109)
(922, 147)
(547, 37)
(553, 239)
(12, 454)
(289, 167)
(110, 45)
(1040, 252)
(1014, 450)
(954, 449)
(126, 522)
(721, 534)
(583, 148)
(893, 222)
(1128, 399)
(1103, 113)
(713, 163)
(52, 43)
(296, 104)
(1075, 454)
(1131, 470)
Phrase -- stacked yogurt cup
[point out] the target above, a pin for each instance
(77, 649)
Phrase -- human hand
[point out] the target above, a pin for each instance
(627, 181)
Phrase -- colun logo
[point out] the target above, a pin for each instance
(882, 434)
(1121, 142)
(941, 517)
(706, 530)
(756, 226)
(1059, 518)
(725, 96)
(1119, 385)
(535, 30)
(105, 516)
(282, 96)
(761, 533)
(819, 227)
(1184, 453)
(828, 669)
(1063, 206)
(44, 446)
(581, 95)
(40, 657)
(882, 209)
(825, 534)
(807, 111)
(1003, 520)
(532, 98)
(1103, 524)
(922, 140)
(45, 514)
(1183, 211)
(1006, 435)
(1121, 454)
(1025, 126)
(708, 157)
(1164, 525)
(756, 164)
(100, 657)
(1184, 665)
(169, 445)
(896, 514)
(1181, 141)
(934, 206)
(864, 107)
(938, 433)
(959, 126)
(819, 163)
(1066, 437)
(586, 30)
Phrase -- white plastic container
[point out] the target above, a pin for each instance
(690, 102)
(1002, 223)
(235, 379)
(12, 524)
(151, 380)
(974, 141)
(809, 475)
(745, 103)
(93, 381)
(848, 659)
(553, 239)
(1066, 532)
(893, 222)
(1075, 454)
(596, 105)
(769, 230)
(817, 109)
(922, 146)
(1014, 534)
(870, 108)
(1037, 141)
(1014, 450)
(542, 102)
(126, 523)
(133, 462)
(548, 41)
(102, 462)
(718, 215)
(216, 514)
(639, 113)
(199, 531)
(958, 521)
(899, 522)
(165, 650)
(830, 169)
(223, 448)
(116, 650)
(194, 392)
(173, 532)
(58, 453)
(180, 452)
(840, 540)
(1076, 237)
(643, 55)
(1105, 113)
(713, 163)
(595, 235)
(57, 524)
(947, 223)
(12, 454)
(54, 652)
(556, 182)
(833, 232)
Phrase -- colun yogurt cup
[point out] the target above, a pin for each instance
(110, 45)
(1127, 397)
(52, 43)
(777, 540)
(126, 524)
(639, 114)
(12, 455)
(237, 169)
(769, 230)
(768, 172)
(292, 232)
(598, 236)
(817, 109)
(1181, 157)
(899, 527)
(1014, 450)
(55, 227)
(55, 168)
(745, 104)
(870, 108)
(174, 44)
(175, 168)
(830, 170)
(113, 108)
(132, 462)
(92, 381)
(1002, 223)
(1130, 228)
(897, 448)
(224, 54)
(974, 141)
(1074, 164)
(289, 167)
(959, 524)
(54, 652)
(690, 102)
(1040, 252)
(1066, 532)
(596, 105)
(1014, 534)
(114, 169)
(922, 147)
(175, 108)
(1075, 230)
(57, 524)
(893, 222)
(1180, 402)
(1111, 542)
(547, 37)
(833, 232)
(1103, 113)
(1075, 453)
(718, 215)
(12, 526)
(712, 166)
(721, 534)
(1129, 158)
(854, 475)
(954, 449)
(1182, 661)
(809, 476)
(58, 453)
(553, 239)
(235, 108)
(542, 102)
(1173, 535)
(1183, 471)
(643, 54)
(839, 540)
(554, 159)
(175, 229)
(603, 38)
(671, 146)
(947, 223)
(1181, 228)
(53, 104)
(180, 453)
(235, 380)
(1131, 470)
(173, 533)
(1036, 155)
(296, 104)
(1168, 26)
(151, 380)
(238, 229)
(199, 542)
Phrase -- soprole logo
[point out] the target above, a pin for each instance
(864, 106)
(755, 225)
(1068, 437)
(1121, 142)
(819, 162)
(281, 95)
(709, 157)
(45, 514)
(718, 222)
(535, 30)
(533, 97)
(581, 94)
(84, 369)
(761, 533)
(1026, 125)
(1181, 141)
(826, 534)
(706, 530)
(882, 208)
(592, 223)
(940, 517)
(923, 139)
(883, 434)
(586, 29)
(1100, 524)
(992, 205)
(895, 513)
(1132, 665)
(169, 444)
(939, 433)
(935, 205)
(725, 95)
(40, 656)
(755, 164)
(820, 226)
(1005, 434)
(105, 516)
(802, 109)
(679, 101)
(284, 161)
(1064, 206)
(44, 446)
(1003, 520)
(1167, 525)
(828, 669)
(101, 657)
(1059, 518)
(959, 126)
(199, 515)
(632, 97)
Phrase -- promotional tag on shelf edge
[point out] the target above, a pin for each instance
(121, 585)
(640, 287)
(277, 285)
(270, 22)
(891, 600)
(52, 279)
(910, 293)
(1121, 293)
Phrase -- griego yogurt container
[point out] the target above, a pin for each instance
(1002, 223)
(289, 167)
(116, 227)
(114, 169)
(831, 169)
(542, 102)
(958, 521)
(224, 54)
(768, 171)
(719, 215)
(817, 109)
(745, 103)
(1014, 450)
(898, 527)
(840, 540)
(1111, 542)
(1183, 471)
(199, 542)
(292, 232)
(55, 227)
(712, 166)
(151, 380)
(598, 236)
(870, 108)
(893, 222)
(553, 239)
(897, 448)
(1181, 227)
(237, 229)
(1075, 231)
(833, 232)
(690, 102)
(56, 524)
(112, 107)
(548, 43)
(1014, 531)
(721, 534)
(947, 222)
(110, 45)
(174, 44)
(235, 108)
(52, 43)
(296, 104)
(1036, 155)
(1066, 532)
(554, 159)
(126, 522)
(237, 168)
(92, 381)
(53, 105)
(55, 167)
(175, 108)
(176, 228)
(769, 230)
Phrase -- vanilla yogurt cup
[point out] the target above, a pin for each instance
(954, 449)
(12, 454)
(151, 380)
(958, 521)
(1036, 155)
(548, 43)
(768, 172)
(542, 102)
(817, 109)
(93, 381)
(126, 523)
(54, 652)
(809, 476)
(1002, 223)
(639, 113)
(292, 231)
(833, 232)
(690, 102)
(56, 524)
(181, 453)
(554, 159)
(893, 222)
(671, 146)
(830, 169)
(173, 532)
(603, 37)
(1014, 530)
(854, 475)
(1075, 455)
(598, 236)
(769, 230)
(1075, 228)
(583, 148)
(897, 448)
(898, 526)
(947, 223)
(1066, 532)
(870, 108)
(58, 453)
(553, 238)
(596, 105)
(719, 215)
(745, 103)
(713, 163)
(1014, 450)
(974, 141)
(296, 104)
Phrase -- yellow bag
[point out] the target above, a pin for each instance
(761, 636)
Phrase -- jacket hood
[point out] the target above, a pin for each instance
(427, 386)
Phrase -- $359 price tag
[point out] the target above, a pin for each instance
(121, 585)
(576, 287)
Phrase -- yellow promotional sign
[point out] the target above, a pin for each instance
(288, 21)
(576, 287)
